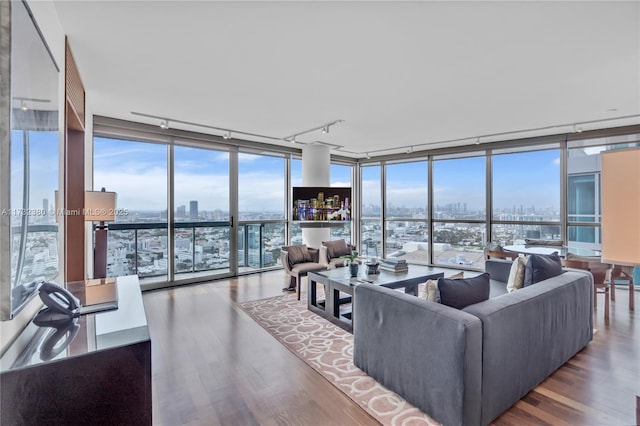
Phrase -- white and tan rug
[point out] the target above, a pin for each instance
(329, 350)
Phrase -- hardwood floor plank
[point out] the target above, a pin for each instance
(213, 365)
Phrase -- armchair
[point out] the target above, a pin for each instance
(331, 252)
(297, 262)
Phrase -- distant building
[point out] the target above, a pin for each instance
(45, 206)
(181, 212)
(193, 210)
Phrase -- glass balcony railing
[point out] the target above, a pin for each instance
(200, 248)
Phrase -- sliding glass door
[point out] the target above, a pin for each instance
(201, 213)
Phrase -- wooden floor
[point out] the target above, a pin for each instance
(213, 365)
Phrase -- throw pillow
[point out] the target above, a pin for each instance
(337, 248)
(298, 254)
(540, 267)
(431, 292)
(516, 274)
(462, 292)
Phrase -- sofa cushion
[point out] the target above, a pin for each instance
(540, 267)
(298, 254)
(337, 248)
(462, 292)
(516, 275)
(303, 268)
(431, 292)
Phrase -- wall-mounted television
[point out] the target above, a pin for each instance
(321, 203)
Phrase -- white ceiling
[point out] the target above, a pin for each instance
(398, 73)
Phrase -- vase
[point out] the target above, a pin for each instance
(353, 268)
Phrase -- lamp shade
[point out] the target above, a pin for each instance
(99, 206)
(621, 206)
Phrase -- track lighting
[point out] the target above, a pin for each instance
(478, 141)
(368, 156)
(410, 150)
(325, 129)
(292, 140)
(164, 125)
(24, 107)
(226, 136)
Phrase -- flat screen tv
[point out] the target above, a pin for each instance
(321, 203)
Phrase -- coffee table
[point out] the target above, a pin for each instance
(338, 289)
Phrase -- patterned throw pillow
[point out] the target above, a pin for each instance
(516, 274)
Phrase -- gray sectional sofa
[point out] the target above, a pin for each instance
(466, 367)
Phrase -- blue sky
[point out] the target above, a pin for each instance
(43, 164)
(137, 172)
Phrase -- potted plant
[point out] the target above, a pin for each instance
(352, 261)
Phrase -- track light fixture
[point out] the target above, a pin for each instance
(226, 136)
(164, 125)
(478, 141)
(325, 129)
(292, 140)
(24, 106)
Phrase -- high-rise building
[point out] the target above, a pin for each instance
(193, 209)
(181, 212)
(45, 206)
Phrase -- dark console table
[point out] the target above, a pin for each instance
(102, 376)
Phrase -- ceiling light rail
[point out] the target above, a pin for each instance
(227, 133)
(325, 129)
(573, 128)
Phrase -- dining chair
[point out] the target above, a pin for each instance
(501, 254)
(623, 273)
(601, 279)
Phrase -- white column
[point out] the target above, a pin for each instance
(316, 163)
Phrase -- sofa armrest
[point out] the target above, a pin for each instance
(498, 269)
(323, 256)
(428, 353)
(530, 333)
(284, 259)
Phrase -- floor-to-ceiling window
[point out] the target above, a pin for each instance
(138, 239)
(406, 211)
(525, 194)
(261, 209)
(201, 212)
(583, 187)
(459, 209)
(371, 211)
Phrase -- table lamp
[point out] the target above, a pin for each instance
(100, 206)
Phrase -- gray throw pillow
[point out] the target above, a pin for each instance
(463, 292)
(541, 267)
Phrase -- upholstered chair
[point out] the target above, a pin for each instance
(331, 251)
(299, 260)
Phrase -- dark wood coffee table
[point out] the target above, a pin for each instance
(338, 289)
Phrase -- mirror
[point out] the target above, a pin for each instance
(33, 163)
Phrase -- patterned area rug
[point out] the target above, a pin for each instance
(329, 350)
